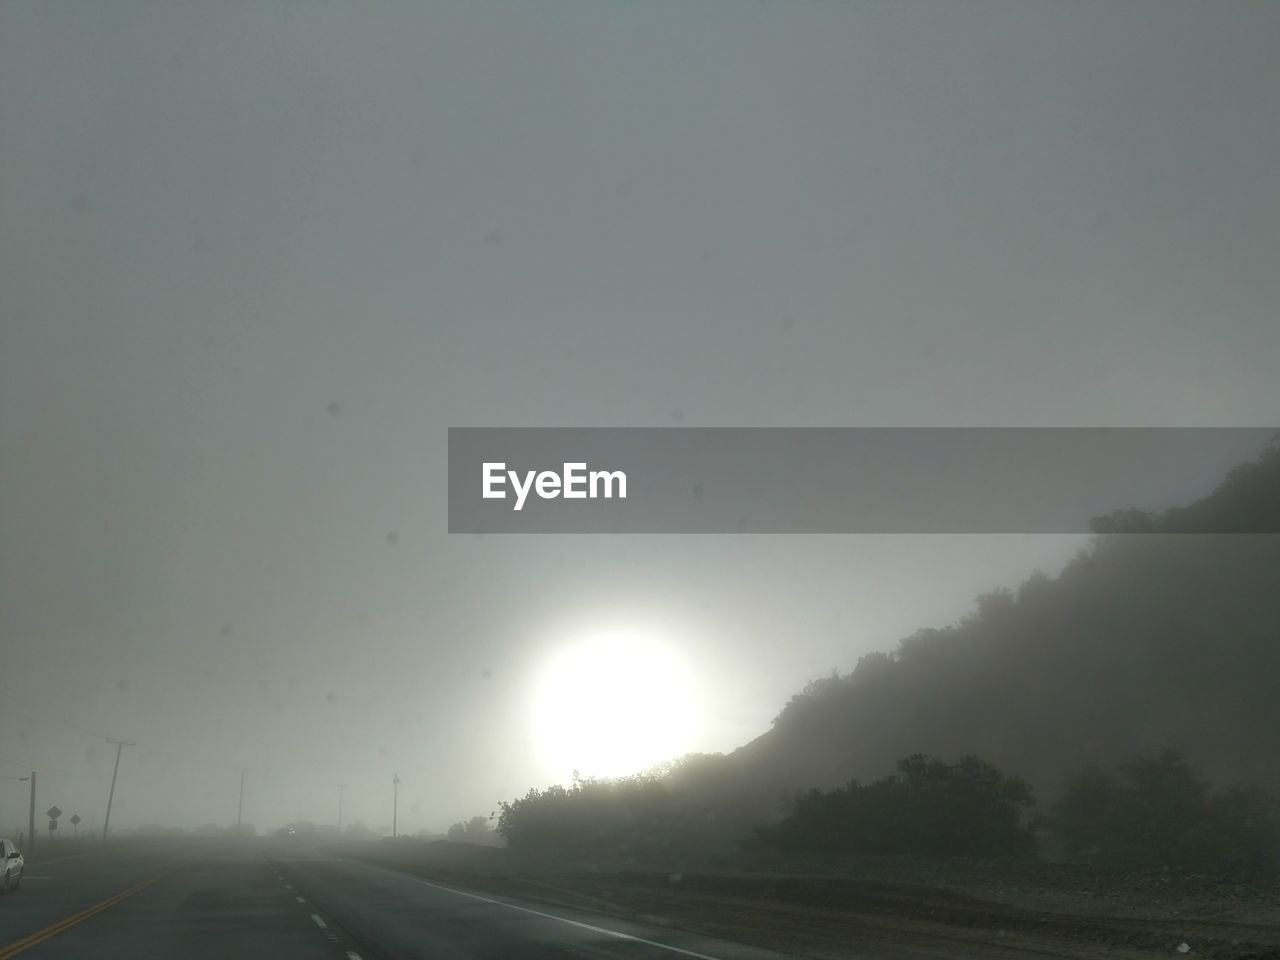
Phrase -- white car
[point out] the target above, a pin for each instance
(13, 864)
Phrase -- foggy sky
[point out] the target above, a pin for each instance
(255, 262)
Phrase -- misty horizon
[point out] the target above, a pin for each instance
(254, 264)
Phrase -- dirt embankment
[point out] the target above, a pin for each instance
(894, 908)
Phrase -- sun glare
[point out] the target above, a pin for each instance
(614, 705)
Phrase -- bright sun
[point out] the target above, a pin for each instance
(613, 705)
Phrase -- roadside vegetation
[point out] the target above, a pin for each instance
(1158, 814)
(928, 808)
(1153, 815)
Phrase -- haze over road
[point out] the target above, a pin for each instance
(284, 901)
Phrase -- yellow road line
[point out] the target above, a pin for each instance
(40, 936)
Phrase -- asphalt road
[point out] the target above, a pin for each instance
(281, 901)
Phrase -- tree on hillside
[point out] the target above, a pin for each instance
(1245, 502)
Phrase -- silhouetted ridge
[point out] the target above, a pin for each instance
(1247, 501)
(1143, 643)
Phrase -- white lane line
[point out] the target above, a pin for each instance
(299, 899)
(287, 887)
(352, 955)
(319, 921)
(572, 923)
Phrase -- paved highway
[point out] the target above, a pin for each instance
(281, 901)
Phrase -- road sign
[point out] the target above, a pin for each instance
(53, 824)
(75, 819)
(53, 813)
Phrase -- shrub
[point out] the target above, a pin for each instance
(1159, 814)
(929, 807)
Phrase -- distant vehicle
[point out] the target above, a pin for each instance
(13, 864)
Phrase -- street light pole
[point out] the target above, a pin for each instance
(341, 787)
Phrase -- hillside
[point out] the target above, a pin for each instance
(1157, 636)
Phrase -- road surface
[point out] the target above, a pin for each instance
(280, 900)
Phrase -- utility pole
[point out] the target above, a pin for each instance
(240, 807)
(341, 787)
(31, 814)
(29, 844)
(395, 802)
(120, 745)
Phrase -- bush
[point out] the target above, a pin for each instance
(629, 818)
(929, 807)
(1158, 814)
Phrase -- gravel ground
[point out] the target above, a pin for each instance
(888, 907)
